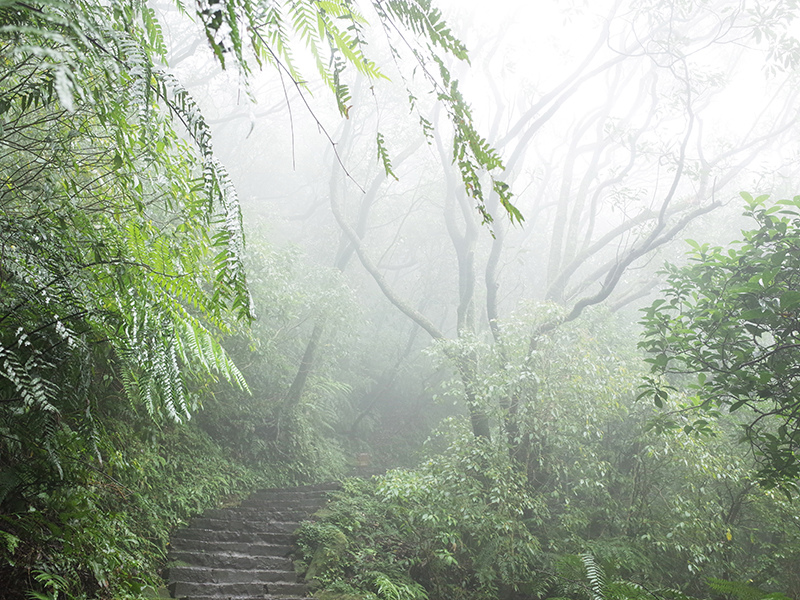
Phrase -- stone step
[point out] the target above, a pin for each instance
(198, 574)
(243, 525)
(257, 513)
(238, 560)
(242, 552)
(182, 589)
(216, 535)
(214, 546)
(307, 505)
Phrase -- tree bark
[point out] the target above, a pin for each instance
(295, 392)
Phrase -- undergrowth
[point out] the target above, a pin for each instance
(465, 525)
(454, 528)
(101, 528)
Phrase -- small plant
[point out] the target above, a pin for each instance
(742, 591)
(389, 588)
(55, 583)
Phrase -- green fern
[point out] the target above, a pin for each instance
(471, 152)
(383, 156)
(53, 581)
(629, 590)
(397, 588)
(426, 21)
(595, 576)
(193, 336)
(601, 587)
(742, 590)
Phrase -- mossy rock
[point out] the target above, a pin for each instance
(327, 556)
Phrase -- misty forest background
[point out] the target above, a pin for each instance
(537, 266)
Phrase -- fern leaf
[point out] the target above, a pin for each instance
(595, 576)
(740, 590)
(426, 20)
(383, 156)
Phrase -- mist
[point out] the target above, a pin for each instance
(623, 130)
(400, 300)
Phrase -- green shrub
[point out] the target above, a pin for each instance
(454, 528)
(101, 528)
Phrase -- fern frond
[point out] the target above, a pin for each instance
(595, 576)
(229, 239)
(273, 38)
(383, 156)
(138, 68)
(193, 336)
(427, 21)
(35, 392)
(153, 32)
(349, 46)
(308, 25)
(628, 590)
(741, 590)
(471, 152)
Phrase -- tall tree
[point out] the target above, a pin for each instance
(605, 191)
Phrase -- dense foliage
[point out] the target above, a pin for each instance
(121, 268)
(100, 529)
(453, 528)
(605, 506)
(120, 261)
(729, 320)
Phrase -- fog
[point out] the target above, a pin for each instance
(508, 293)
(624, 129)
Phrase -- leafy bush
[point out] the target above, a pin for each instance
(655, 508)
(454, 528)
(102, 528)
(728, 321)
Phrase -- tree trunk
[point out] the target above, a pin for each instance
(295, 392)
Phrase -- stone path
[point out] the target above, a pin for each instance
(242, 553)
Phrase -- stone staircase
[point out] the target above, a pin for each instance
(242, 553)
